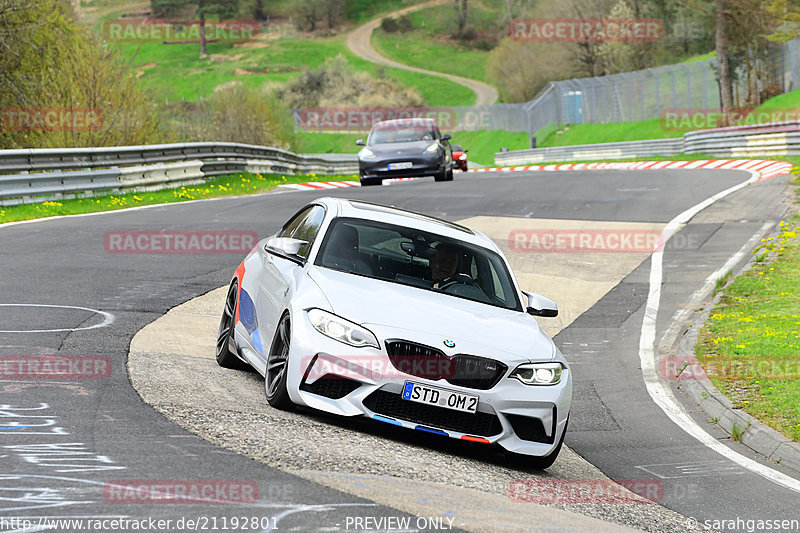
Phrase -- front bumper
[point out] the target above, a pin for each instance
(327, 375)
(421, 166)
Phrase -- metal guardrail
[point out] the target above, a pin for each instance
(19, 185)
(767, 140)
(37, 175)
(592, 152)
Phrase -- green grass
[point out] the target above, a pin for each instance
(413, 49)
(176, 72)
(786, 101)
(228, 185)
(750, 346)
(427, 45)
(700, 57)
(606, 133)
(721, 282)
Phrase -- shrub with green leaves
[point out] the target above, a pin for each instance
(335, 84)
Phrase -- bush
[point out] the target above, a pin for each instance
(403, 24)
(235, 113)
(53, 63)
(389, 24)
(521, 69)
(334, 84)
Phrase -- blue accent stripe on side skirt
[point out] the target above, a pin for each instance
(387, 420)
(257, 341)
(247, 312)
(431, 430)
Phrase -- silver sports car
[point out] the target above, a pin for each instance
(362, 309)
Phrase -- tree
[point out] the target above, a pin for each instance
(259, 10)
(585, 55)
(787, 12)
(167, 8)
(619, 56)
(49, 63)
(461, 15)
(308, 13)
(211, 9)
(754, 23)
(521, 69)
(333, 11)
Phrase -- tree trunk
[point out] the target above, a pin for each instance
(461, 15)
(259, 12)
(203, 52)
(723, 59)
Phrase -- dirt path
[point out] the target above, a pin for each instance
(358, 41)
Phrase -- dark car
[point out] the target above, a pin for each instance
(459, 157)
(405, 148)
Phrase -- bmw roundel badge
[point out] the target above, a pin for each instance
(449, 343)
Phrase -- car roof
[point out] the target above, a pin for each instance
(402, 217)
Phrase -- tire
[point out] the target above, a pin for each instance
(366, 182)
(449, 175)
(542, 463)
(277, 361)
(225, 357)
(440, 176)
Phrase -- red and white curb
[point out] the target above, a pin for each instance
(767, 169)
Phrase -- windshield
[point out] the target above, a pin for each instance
(400, 133)
(419, 259)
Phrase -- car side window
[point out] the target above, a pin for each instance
(305, 226)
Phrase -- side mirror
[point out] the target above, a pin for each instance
(538, 305)
(284, 245)
(467, 150)
(360, 142)
(446, 137)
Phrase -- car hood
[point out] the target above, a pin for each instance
(421, 315)
(416, 147)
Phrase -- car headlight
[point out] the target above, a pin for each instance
(340, 329)
(462, 157)
(538, 373)
(432, 148)
(366, 153)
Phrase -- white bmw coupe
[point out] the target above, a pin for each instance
(361, 309)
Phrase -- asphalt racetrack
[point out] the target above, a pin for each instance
(81, 448)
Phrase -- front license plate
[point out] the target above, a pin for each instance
(400, 166)
(416, 392)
